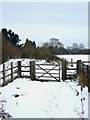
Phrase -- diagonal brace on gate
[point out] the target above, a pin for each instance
(47, 72)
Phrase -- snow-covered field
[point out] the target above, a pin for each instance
(24, 98)
(33, 99)
(75, 57)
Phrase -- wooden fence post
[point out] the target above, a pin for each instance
(64, 69)
(59, 71)
(71, 62)
(32, 70)
(88, 74)
(83, 68)
(3, 74)
(11, 71)
(19, 68)
(87, 70)
(79, 67)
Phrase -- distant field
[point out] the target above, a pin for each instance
(75, 57)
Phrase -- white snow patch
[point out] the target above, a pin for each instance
(44, 99)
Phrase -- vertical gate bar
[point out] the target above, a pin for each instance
(88, 73)
(32, 70)
(79, 67)
(64, 69)
(59, 71)
(83, 68)
(19, 69)
(71, 62)
(11, 71)
(3, 74)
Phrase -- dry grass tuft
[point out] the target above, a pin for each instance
(81, 78)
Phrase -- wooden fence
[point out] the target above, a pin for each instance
(7, 74)
(65, 68)
(32, 72)
(38, 72)
(80, 67)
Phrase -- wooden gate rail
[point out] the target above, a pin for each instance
(47, 72)
(81, 68)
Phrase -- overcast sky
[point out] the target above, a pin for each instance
(67, 21)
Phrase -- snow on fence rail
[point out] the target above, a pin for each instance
(47, 72)
(32, 71)
(8, 74)
(79, 67)
(28, 71)
(40, 71)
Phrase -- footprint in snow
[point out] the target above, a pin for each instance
(56, 105)
(17, 87)
(15, 95)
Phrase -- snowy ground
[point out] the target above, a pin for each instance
(32, 99)
(75, 57)
(24, 98)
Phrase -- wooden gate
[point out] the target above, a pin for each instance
(47, 72)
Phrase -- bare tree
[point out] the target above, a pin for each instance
(55, 43)
(74, 46)
(81, 46)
